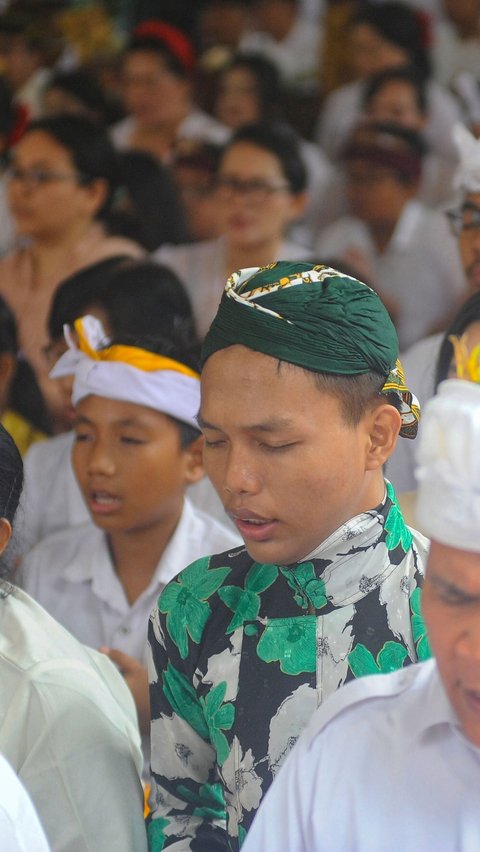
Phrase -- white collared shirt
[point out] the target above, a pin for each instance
(68, 728)
(382, 765)
(72, 575)
(419, 270)
(20, 829)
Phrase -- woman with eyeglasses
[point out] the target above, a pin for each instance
(260, 190)
(61, 179)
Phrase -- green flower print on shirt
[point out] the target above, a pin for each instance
(245, 602)
(420, 636)
(219, 717)
(208, 715)
(389, 659)
(291, 642)
(184, 602)
(306, 585)
(398, 532)
(184, 701)
(156, 833)
(209, 800)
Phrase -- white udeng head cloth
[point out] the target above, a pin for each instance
(467, 175)
(173, 388)
(448, 466)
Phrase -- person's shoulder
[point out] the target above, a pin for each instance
(199, 124)
(371, 704)
(68, 542)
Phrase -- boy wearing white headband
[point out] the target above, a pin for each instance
(393, 762)
(137, 448)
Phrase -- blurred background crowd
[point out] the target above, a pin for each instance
(213, 135)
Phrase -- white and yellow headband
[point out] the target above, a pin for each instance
(127, 373)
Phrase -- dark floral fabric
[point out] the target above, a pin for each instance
(243, 653)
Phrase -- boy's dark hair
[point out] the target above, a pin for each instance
(146, 299)
(85, 88)
(89, 146)
(77, 292)
(174, 346)
(468, 313)
(281, 141)
(408, 74)
(11, 484)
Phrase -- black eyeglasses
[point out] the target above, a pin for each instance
(34, 178)
(257, 191)
(464, 218)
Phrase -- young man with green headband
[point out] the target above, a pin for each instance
(302, 402)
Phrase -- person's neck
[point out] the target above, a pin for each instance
(136, 553)
(53, 252)
(239, 257)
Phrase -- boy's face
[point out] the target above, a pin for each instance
(286, 465)
(129, 464)
(451, 605)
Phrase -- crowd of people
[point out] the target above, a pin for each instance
(239, 275)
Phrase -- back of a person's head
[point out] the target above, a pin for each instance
(75, 294)
(146, 299)
(146, 207)
(400, 24)
(88, 145)
(280, 140)
(83, 87)
(11, 476)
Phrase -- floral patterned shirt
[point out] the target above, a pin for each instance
(243, 653)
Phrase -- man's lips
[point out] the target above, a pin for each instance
(251, 526)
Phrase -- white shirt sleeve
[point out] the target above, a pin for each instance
(20, 829)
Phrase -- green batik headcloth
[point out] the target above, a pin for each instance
(311, 316)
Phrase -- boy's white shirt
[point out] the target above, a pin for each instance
(71, 574)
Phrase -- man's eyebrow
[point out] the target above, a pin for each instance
(273, 425)
(452, 589)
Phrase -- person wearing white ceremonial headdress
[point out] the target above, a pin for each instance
(420, 360)
(393, 761)
(137, 447)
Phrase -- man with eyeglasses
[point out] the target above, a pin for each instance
(420, 360)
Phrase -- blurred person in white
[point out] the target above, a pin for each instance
(130, 297)
(406, 248)
(158, 96)
(137, 447)
(399, 95)
(20, 829)
(381, 36)
(250, 89)
(68, 725)
(456, 48)
(62, 177)
(261, 191)
(282, 32)
(417, 732)
(420, 360)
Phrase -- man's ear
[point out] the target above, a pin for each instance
(194, 470)
(384, 425)
(5, 534)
